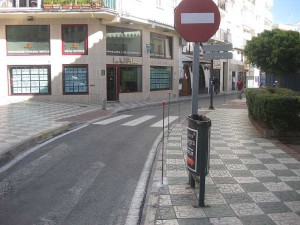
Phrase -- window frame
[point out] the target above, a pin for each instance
(140, 69)
(157, 79)
(165, 38)
(64, 66)
(122, 51)
(28, 45)
(85, 41)
(11, 81)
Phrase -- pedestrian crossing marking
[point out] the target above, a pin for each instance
(138, 121)
(160, 123)
(111, 120)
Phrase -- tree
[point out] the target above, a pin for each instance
(275, 51)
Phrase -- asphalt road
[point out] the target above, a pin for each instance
(88, 176)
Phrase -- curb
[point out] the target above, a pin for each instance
(35, 140)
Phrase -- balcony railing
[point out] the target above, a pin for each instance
(56, 4)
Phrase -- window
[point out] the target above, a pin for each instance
(75, 78)
(74, 39)
(160, 78)
(130, 79)
(123, 41)
(30, 80)
(161, 46)
(28, 40)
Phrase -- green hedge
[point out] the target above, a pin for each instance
(278, 108)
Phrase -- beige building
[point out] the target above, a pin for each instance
(114, 50)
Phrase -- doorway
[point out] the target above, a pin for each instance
(112, 83)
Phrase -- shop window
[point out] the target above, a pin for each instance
(75, 79)
(28, 40)
(74, 38)
(123, 41)
(161, 46)
(30, 80)
(130, 79)
(160, 78)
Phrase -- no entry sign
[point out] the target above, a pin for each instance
(197, 20)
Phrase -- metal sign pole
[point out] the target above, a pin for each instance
(195, 79)
(211, 85)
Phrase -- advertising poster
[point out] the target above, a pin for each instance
(192, 141)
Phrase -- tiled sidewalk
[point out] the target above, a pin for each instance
(251, 181)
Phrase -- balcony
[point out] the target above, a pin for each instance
(222, 36)
(21, 5)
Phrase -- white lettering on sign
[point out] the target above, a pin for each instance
(194, 18)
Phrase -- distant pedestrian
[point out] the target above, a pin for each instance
(240, 87)
(216, 83)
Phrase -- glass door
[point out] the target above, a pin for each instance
(112, 83)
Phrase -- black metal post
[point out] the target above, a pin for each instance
(163, 144)
(211, 87)
(203, 163)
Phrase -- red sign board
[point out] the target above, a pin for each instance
(197, 20)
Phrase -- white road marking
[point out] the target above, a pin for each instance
(138, 120)
(19, 179)
(160, 123)
(72, 196)
(111, 120)
(197, 18)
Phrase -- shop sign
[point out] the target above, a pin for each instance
(124, 60)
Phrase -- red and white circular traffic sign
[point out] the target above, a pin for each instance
(197, 20)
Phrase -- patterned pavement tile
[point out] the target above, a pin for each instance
(226, 221)
(165, 200)
(167, 222)
(287, 196)
(290, 218)
(296, 171)
(166, 213)
(237, 198)
(251, 161)
(219, 173)
(293, 184)
(218, 211)
(294, 205)
(287, 160)
(180, 190)
(256, 167)
(263, 197)
(273, 207)
(230, 188)
(184, 200)
(224, 180)
(241, 173)
(213, 199)
(283, 173)
(188, 212)
(262, 173)
(244, 180)
(246, 209)
(236, 167)
(197, 221)
(289, 178)
(268, 179)
(277, 186)
(276, 166)
(254, 187)
(256, 220)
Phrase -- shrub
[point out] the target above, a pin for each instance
(278, 108)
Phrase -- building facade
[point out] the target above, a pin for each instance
(110, 50)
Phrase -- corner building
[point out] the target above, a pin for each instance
(112, 50)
